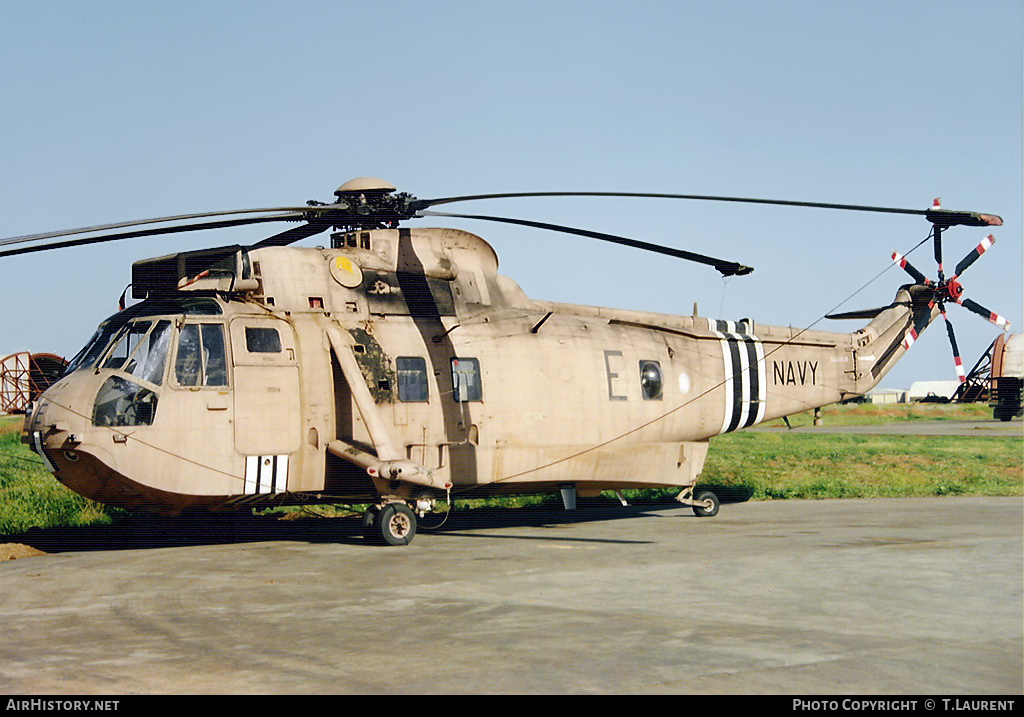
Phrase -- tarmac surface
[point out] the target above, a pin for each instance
(915, 596)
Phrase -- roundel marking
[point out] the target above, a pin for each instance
(346, 272)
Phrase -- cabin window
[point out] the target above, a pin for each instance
(650, 380)
(466, 384)
(261, 340)
(412, 379)
(201, 359)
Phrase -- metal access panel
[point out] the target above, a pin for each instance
(407, 294)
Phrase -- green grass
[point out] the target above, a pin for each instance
(30, 496)
(772, 466)
(759, 465)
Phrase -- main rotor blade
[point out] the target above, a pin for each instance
(424, 203)
(974, 255)
(147, 232)
(943, 217)
(294, 234)
(140, 222)
(726, 268)
(984, 313)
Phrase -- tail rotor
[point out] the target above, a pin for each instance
(945, 290)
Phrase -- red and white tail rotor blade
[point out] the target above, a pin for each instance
(915, 330)
(956, 351)
(981, 311)
(974, 255)
(909, 268)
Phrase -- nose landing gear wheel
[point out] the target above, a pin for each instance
(394, 524)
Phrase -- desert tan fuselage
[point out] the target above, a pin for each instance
(402, 363)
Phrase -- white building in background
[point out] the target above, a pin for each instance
(920, 390)
(886, 395)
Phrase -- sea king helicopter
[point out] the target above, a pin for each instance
(396, 368)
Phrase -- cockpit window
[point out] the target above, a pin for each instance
(125, 343)
(121, 402)
(97, 345)
(201, 359)
(140, 349)
(147, 361)
(92, 351)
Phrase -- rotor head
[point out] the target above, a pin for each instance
(363, 185)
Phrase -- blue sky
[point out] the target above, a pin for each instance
(127, 110)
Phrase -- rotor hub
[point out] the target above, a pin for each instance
(954, 289)
(364, 185)
(363, 203)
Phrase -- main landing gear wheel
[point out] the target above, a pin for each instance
(705, 504)
(394, 524)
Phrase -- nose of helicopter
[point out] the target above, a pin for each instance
(50, 426)
(87, 458)
(59, 432)
(58, 421)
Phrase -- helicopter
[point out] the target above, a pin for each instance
(397, 367)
